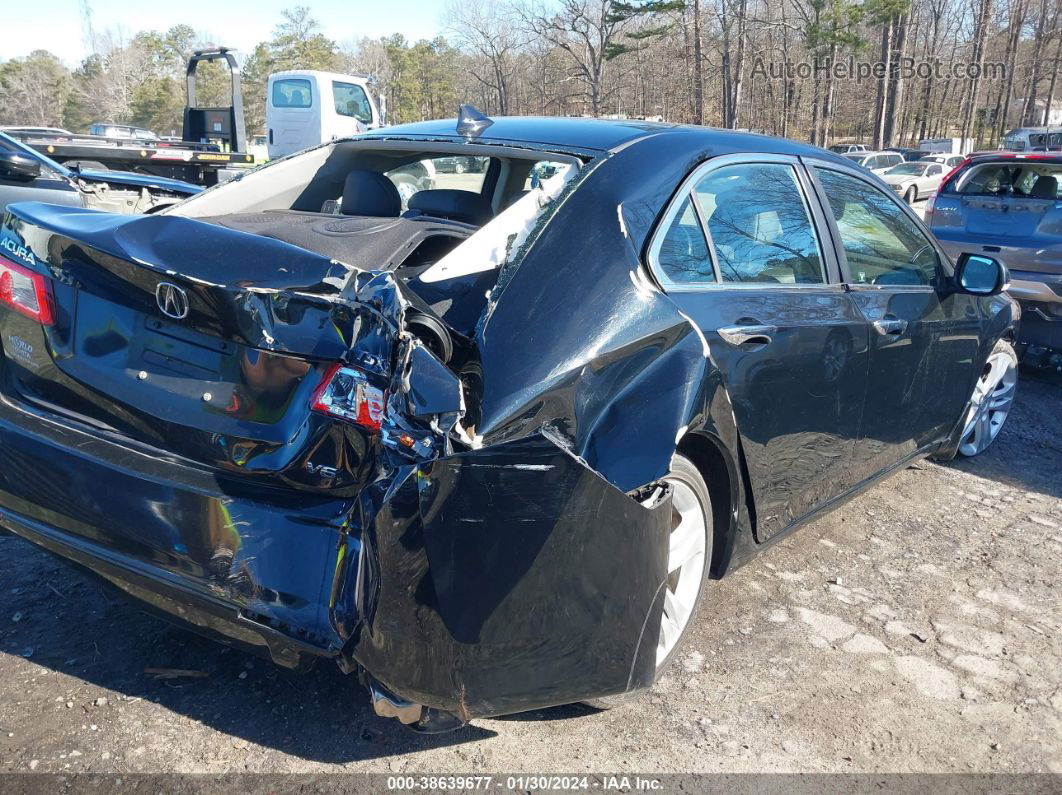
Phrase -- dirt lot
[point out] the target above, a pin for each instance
(915, 629)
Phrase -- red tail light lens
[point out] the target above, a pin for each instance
(26, 292)
(345, 393)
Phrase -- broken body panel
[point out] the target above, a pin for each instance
(476, 570)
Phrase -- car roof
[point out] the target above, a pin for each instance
(985, 157)
(598, 134)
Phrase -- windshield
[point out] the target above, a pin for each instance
(859, 157)
(1024, 179)
(908, 169)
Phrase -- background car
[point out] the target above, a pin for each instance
(28, 175)
(877, 162)
(461, 165)
(109, 130)
(485, 446)
(1007, 205)
(915, 180)
(949, 161)
(842, 148)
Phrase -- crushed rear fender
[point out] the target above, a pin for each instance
(503, 579)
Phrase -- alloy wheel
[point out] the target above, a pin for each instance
(685, 565)
(991, 402)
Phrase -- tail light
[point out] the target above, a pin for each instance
(345, 393)
(944, 185)
(26, 292)
(930, 204)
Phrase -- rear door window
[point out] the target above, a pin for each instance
(760, 225)
(682, 252)
(292, 92)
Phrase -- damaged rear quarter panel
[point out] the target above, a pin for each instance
(604, 358)
(508, 578)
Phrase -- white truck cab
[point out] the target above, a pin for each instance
(305, 108)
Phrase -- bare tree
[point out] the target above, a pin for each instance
(584, 30)
(490, 32)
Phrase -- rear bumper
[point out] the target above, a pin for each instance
(248, 565)
(487, 582)
(168, 596)
(1032, 284)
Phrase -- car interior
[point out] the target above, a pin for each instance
(384, 208)
(373, 208)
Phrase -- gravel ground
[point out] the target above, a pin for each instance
(914, 629)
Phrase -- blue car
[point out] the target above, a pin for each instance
(28, 175)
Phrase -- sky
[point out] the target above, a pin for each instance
(57, 25)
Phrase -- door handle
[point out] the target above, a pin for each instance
(747, 335)
(890, 326)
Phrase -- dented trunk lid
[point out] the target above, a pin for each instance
(201, 341)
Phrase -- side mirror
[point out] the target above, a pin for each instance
(980, 275)
(19, 167)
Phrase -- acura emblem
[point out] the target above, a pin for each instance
(172, 300)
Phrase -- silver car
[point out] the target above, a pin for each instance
(878, 162)
(1008, 205)
(915, 180)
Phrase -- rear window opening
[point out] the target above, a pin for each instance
(1012, 178)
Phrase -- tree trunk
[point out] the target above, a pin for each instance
(885, 56)
(1028, 111)
(894, 100)
(698, 66)
(1053, 83)
(978, 61)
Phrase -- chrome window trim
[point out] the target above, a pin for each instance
(819, 225)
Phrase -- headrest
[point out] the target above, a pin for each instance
(734, 211)
(1045, 188)
(370, 193)
(457, 205)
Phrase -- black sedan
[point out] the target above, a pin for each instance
(488, 450)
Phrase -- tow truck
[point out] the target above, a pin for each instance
(214, 139)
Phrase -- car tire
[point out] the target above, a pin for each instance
(691, 495)
(911, 196)
(991, 401)
(459, 167)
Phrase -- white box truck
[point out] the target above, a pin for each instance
(305, 108)
(947, 146)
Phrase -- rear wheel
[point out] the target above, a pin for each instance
(688, 561)
(992, 399)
